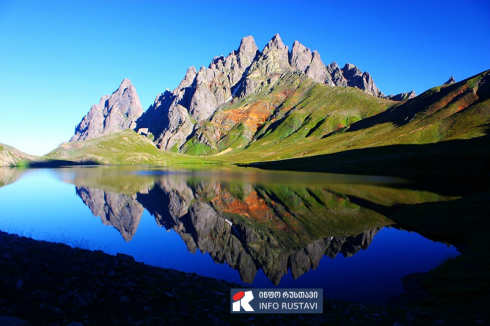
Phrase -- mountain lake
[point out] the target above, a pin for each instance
(252, 227)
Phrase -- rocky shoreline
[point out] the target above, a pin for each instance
(43, 283)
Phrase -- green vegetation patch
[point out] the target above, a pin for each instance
(122, 148)
(198, 149)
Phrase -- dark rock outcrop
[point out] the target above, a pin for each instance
(356, 78)
(336, 74)
(116, 112)
(402, 96)
(450, 81)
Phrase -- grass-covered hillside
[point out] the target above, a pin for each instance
(446, 124)
(293, 109)
(122, 148)
(10, 156)
(322, 128)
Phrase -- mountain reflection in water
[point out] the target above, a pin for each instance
(270, 223)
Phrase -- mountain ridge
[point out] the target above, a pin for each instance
(255, 106)
(244, 72)
(174, 116)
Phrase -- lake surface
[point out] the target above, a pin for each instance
(243, 225)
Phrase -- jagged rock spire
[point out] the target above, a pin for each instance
(116, 112)
(247, 52)
(300, 57)
(450, 81)
(317, 70)
(275, 43)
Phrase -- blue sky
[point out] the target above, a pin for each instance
(57, 58)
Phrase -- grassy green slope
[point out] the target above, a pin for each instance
(297, 118)
(10, 156)
(292, 110)
(452, 113)
(122, 148)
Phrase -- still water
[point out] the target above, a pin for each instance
(252, 227)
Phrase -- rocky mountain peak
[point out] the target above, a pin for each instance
(402, 96)
(125, 83)
(190, 75)
(450, 81)
(300, 57)
(116, 112)
(317, 70)
(176, 117)
(350, 71)
(356, 78)
(247, 52)
(275, 43)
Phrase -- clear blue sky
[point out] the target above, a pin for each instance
(57, 58)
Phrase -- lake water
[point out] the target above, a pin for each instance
(252, 227)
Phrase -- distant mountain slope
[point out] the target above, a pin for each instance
(120, 148)
(452, 122)
(10, 156)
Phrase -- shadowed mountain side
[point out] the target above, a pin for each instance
(121, 211)
(450, 112)
(59, 163)
(449, 159)
(460, 285)
(440, 102)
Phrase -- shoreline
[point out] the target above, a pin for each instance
(47, 283)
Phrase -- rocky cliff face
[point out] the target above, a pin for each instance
(177, 115)
(116, 112)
